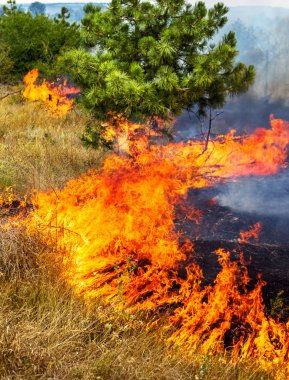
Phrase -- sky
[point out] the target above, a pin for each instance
(273, 3)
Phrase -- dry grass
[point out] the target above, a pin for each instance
(46, 332)
(37, 150)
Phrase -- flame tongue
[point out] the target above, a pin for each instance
(117, 226)
(262, 153)
(54, 96)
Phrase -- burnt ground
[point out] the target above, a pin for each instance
(271, 261)
(220, 227)
(14, 208)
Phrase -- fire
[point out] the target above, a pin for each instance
(228, 314)
(117, 226)
(254, 233)
(132, 138)
(55, 97)
(11, 206)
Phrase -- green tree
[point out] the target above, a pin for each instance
(143, 59)
(10, 8)
(35, 41)
(37, 8)
(63, 16)
(6, 63)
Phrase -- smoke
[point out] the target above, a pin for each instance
(264, 196)
(262, 40)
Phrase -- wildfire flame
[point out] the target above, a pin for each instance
(253, 232)
(132, 138)
(55, 97)
(117, 227)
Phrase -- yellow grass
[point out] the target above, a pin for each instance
(37, 150)
(46, 332)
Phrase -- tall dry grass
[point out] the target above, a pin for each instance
(46, 332)
(37, 150)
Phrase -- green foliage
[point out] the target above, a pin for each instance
(155, 58)
(6, 63)
(10, 8)
(34, 41)
(93, 135)
(277, 305)
(63, 16)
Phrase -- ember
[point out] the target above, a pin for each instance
(117, 226)
(55, 97)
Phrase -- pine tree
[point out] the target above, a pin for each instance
(10, 8)
(142, 59)
(63, 16)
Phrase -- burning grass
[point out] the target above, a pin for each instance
(48, 332)
(109, 235)
(117, 226)
(54, 96)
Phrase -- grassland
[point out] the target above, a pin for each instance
(46, 332)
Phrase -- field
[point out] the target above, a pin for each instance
(46, 332)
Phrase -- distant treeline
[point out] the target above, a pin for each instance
(52, 10)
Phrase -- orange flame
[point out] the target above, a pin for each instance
(132, 138)
(252, 233)
(54, 96)
(117, 227)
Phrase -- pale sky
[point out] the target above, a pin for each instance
(273, 3)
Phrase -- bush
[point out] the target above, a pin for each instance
(35, 41)
(6, 62)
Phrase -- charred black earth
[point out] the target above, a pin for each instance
(220, 227)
